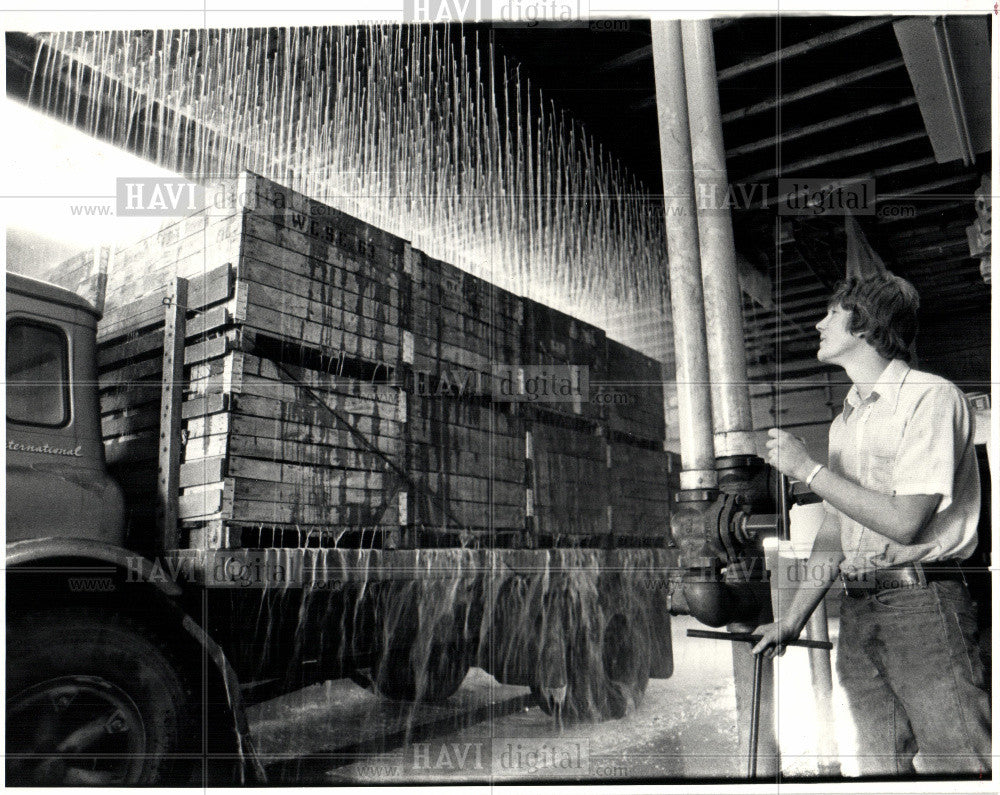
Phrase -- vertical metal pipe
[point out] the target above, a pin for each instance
(758, 677)
(727, 359)
(694, 406)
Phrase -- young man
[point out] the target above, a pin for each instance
(901, 499)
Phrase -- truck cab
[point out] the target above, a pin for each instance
(102, 661)
(57, 484)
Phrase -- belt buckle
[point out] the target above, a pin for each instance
(904, 576)
(856, 586)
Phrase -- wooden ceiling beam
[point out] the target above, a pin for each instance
(810, 91)
(802, 48)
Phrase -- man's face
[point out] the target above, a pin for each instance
(836, 342)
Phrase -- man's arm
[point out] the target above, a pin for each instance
(897, 517)
(824, 566)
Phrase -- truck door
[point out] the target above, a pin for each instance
(56, 480)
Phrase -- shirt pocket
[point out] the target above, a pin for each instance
(883, 436)
(880, 472)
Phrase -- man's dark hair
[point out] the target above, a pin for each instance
(884, 310)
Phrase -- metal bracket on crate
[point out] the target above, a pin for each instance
(169, 301)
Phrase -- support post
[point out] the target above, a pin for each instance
(821, 669)
(171, 395)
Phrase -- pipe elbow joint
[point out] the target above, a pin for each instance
(716, 603)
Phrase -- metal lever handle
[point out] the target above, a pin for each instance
(758, 673)
(747, 637)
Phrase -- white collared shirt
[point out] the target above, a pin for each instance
(912, 435)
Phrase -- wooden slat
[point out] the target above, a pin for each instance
(141, 344)
(203, 290)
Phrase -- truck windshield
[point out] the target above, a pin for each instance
(37, 374)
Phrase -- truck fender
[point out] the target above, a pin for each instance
(22, 554)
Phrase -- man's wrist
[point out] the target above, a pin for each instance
(817, 468)
(806, 470)
(793, 624)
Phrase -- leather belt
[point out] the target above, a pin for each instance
(909, 575)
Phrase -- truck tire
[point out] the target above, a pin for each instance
(625, 655)
(400, 680)
(607, 659)
(421, 653)
(92, 699)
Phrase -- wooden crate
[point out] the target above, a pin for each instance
(639, 492)
(632, 394)
(467, 464)
(552, 341)
(462, 327)
(570, 480)
(301, 446)
(303, 273)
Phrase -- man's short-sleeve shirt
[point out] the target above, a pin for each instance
(912, 435)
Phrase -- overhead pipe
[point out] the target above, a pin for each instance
(694, 406)
(727, 361)
(744, 597)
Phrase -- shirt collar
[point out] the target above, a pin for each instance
(887, 386)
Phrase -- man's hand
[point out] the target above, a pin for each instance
(788, 454)
(774, 636)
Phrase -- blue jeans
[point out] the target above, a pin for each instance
(909, 661)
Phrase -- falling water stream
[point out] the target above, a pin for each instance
(421, 620)
(426, 133)
(422, 131)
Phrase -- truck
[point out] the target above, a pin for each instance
(288, 448)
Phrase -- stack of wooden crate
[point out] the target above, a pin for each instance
(564, 358)
(466, 454)
(340, 385)
(639, 470)
(293, 422)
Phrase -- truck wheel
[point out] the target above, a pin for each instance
(607, 661)
(91, 700)
(400, 679)
(625, 654)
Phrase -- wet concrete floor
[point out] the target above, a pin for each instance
(685, 729)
